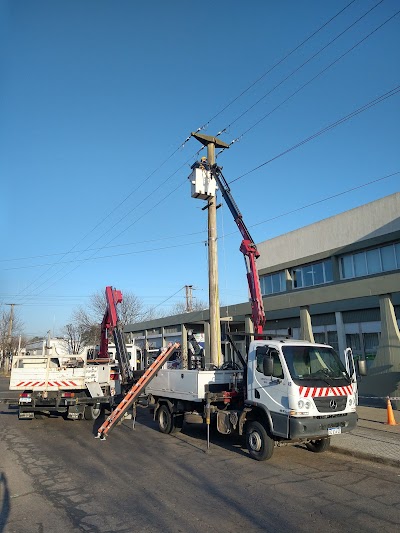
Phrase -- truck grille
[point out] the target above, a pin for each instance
(331, 404)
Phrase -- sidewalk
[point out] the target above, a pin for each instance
(372, 439)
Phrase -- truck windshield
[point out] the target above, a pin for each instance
(314, 363)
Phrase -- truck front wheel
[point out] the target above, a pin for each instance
(91, 412)
(318, 446)
(166, 420)
(259, 443)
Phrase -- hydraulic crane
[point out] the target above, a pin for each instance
(109, 324)
(248, 249)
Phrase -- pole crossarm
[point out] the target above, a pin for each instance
(205, 140)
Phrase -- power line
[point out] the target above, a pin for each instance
(265, 116)
(313, 78)
(176, 150)
(92, 258)
(273, 67)
(357, 187)
(101, 248)
(327, 198)
(300, 67)
(164, 301)
(370, 104)
(60, 261)
(135, 190)
(304, 63)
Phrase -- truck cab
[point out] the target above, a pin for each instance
(301, 389)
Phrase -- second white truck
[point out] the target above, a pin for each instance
(63, 384)
(289, 392)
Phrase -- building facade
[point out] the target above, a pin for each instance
(336, 282)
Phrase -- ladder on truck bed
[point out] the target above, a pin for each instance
(134, 392)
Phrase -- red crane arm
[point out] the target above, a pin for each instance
(250, 252)
(110, 319)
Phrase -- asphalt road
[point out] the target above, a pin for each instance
(55, 477)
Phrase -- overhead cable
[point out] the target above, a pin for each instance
(302, 65)
(363, 108)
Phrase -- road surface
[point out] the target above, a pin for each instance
(56, 477)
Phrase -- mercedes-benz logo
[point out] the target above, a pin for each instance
(332, 404)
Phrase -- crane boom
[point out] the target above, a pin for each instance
(111, 324)
(248, 249)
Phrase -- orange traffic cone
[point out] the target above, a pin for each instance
(390, 416)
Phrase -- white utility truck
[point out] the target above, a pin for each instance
(78, 385)
(67, 384)
(288, 392)
(282, 391)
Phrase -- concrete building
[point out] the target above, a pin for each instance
(336, 281)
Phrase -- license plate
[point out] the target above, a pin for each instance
(25, 400)
(334, 431)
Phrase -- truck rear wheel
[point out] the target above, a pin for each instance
(318, 446)
(259, 443)
(91, 412)
(167, 422)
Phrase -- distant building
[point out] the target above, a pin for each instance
(336, 281)
(48, 346)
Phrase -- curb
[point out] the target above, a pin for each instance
(366, 456)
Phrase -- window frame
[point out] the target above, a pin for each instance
(298, 272)
(351, 259)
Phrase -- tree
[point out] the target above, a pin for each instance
(87, 321)
(180, 307)
(73, 338)
(9, 341)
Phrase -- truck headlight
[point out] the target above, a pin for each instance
(300, 404)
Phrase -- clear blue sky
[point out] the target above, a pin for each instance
(96, 95)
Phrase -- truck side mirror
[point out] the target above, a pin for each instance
(362, 367)
(268, 365)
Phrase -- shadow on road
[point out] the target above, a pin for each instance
(12, 410)
(198, 432)
(4, 502)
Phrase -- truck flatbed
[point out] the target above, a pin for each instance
(192, 385)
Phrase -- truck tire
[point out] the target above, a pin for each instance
(91, 412)
(166, 421)
(259, 443)
(318, 446)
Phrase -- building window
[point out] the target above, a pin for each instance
(313, 274)
(371, 343)
(319, 338)
(353, 341)
(273, 283)
(333, 340)
(370, 262)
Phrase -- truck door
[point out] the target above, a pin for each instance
(272, 391)
(351, 370)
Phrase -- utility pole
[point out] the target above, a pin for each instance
(10, 325)
(215, 328)
(189, 298)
